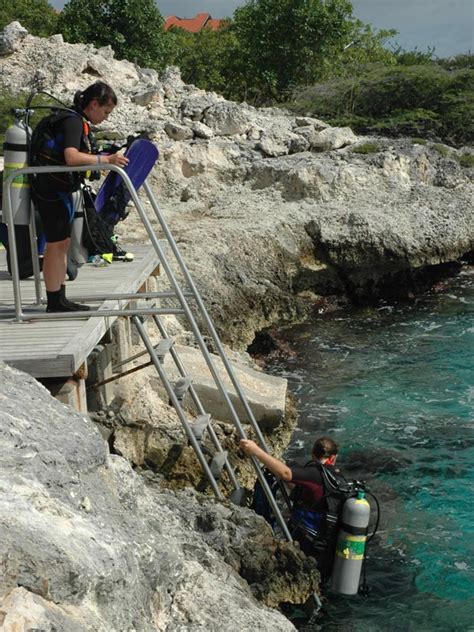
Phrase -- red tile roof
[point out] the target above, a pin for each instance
(193, 25)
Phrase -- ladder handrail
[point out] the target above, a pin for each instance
(201, 410)
(171, 394)
(170, 239)
(20, 316)
(207, 319)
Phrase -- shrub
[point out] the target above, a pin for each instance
(466, 160)
(441, 149)
(366, 148)
(426, 101)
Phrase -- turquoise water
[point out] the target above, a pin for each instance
(394, 385)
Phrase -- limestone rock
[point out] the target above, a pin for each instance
(226, 118)
(202, 131)
(195, 106)
(86, 544)
(172, 81)
(334, 138)
(11, 38)
(304, 121)
(145, 97)
(240, 215)
(178, 132)
(266, 394)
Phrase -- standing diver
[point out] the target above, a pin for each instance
(72, 144)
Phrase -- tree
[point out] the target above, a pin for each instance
(285, 42)
(204, 58)
(38, 16)
(134, 28)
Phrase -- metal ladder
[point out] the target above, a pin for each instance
(194, 431)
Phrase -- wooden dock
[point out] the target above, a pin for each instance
(59, 348)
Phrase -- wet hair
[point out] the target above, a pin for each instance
(99, 91)
(324, 447)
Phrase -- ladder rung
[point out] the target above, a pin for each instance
(162, 348)
(182, 387)
(217, 463)
(238, 497)
(200, 425)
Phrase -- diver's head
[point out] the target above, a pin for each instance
(325, 450)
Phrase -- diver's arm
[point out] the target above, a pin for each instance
(270, 462)
(75, 158)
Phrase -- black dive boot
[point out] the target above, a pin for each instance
(70, 306)
(57, 302)
(54, 304)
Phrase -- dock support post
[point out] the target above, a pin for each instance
(100, 368)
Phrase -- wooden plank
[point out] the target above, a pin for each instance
(57, 348)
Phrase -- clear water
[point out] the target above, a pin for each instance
(394, 385)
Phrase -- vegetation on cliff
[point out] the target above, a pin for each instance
(312, 56)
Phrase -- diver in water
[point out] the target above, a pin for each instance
(315, 510)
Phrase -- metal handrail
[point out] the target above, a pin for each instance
(180, 295)
(197, 402)
(8, 210)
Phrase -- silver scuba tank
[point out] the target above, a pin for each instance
(78, 254)
(350, 548)
(15, 157)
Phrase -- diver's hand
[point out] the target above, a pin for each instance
(249, 446)
(115, 159)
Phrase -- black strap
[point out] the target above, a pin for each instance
(14, 147)
(354, 530)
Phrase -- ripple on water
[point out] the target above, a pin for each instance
(395, 385)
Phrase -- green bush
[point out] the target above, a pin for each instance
(133, 28)
(38, 16)
(441, 149)
(366, 148)
(425, 101)
(466, 160)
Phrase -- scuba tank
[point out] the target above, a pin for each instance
(350, 548)
(78, 253)
(15, 157)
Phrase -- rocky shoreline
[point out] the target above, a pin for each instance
(276, 215)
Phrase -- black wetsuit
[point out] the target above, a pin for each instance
(52, 192)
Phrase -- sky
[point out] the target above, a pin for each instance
(445, 25)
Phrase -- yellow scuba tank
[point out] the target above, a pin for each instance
(350, 548)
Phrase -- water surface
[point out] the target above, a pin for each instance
(394, 385)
